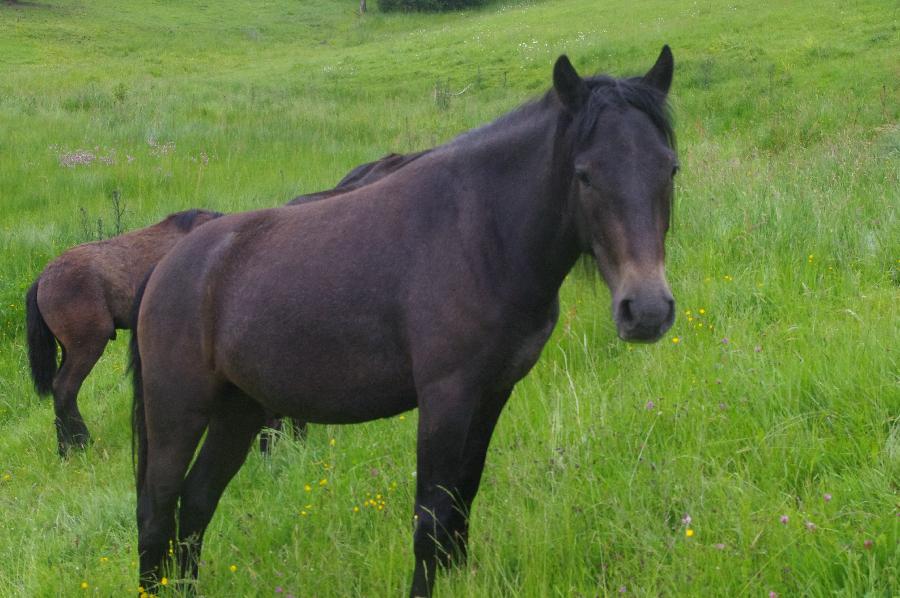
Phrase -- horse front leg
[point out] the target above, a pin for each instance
(478, 439)
(446, 412)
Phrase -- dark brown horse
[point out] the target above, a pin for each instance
(435, 287)
(84, 295)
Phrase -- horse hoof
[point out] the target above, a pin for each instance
(76, 442)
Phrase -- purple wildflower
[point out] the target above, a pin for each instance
(76, 158)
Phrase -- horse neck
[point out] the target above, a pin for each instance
(147, 246)
(521, 167)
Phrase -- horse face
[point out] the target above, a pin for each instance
(624, 189)
(622, 186)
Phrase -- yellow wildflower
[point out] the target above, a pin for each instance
(689, 532)
(676, 340)
(84, 585)
(232, 568)
(164, 581)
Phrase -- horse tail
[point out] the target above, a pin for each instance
(138, 421)
(41, 344)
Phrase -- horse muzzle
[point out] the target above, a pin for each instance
(644, 315)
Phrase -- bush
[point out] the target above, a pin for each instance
(427, 5)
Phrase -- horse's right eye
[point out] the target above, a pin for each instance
(583, 177)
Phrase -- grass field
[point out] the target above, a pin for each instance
(755, 449)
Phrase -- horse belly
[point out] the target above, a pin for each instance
(344, 370)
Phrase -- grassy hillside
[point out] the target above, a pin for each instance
(767, 422)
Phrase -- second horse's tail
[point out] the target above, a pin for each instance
(41, 344)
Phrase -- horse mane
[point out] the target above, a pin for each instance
(606, 91)
(185, 220)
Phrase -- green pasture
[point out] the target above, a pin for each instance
(755, 449)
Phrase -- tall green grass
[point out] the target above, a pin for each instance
(782, 387)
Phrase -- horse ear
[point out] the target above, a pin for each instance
(569, 86)
(660, 76)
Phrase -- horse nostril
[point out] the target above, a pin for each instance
(671, 315)
(625, 312)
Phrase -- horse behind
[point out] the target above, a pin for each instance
(435, 287)
(79, 301)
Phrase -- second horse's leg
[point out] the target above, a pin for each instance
(79, 357)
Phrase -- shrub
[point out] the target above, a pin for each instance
(427, 5)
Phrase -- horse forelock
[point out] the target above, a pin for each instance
(611, 92)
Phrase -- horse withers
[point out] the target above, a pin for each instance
(435, 287)
(86, 294)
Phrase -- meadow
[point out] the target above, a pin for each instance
(754, 451)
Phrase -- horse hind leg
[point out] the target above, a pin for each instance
(299, 428)
(274, 425)
(173, 430)
(271, 428)
(232, 428)
(80, 355)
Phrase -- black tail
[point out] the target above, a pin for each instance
(41, 344)
(138, 422)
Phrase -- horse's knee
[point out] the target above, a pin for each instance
(441, 534)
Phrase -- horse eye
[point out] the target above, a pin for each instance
(583, 177)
